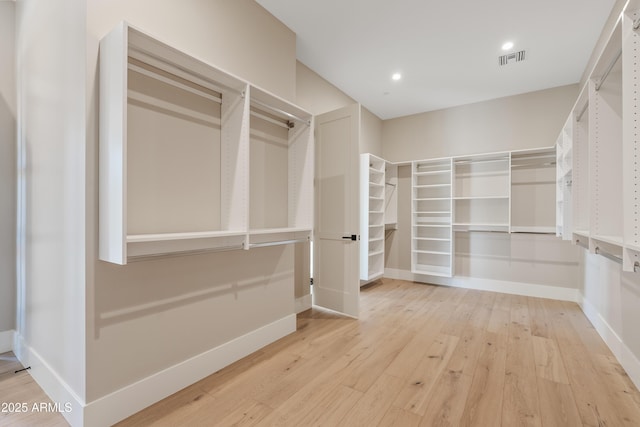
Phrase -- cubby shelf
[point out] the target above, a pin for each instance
(177, 173)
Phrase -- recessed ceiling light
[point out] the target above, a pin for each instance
(396, 76)
(507, 46)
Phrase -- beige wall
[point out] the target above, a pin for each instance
(315, 94)
(523, 121)
(50, 55)
(7, 167)
(148, 316)
(318, 96)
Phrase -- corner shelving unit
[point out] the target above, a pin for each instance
(281, 171)
(533, 191)
(605, 153)
(372, 222)
(481, 192)
(631, 136)
(432, 245)
(391, 196)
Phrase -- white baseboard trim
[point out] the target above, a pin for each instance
(303, 303)
(507, 287)
(625, 356)
(6, 340)
(71, 406)
(131, 399)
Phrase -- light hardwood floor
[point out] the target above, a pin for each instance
(420, 355)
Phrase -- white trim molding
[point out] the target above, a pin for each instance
(303, 303)
(70, 404)
(625, 356)
(503, 286)
(6, 340)
(128, 400)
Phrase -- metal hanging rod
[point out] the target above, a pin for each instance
(285, 113)
(608, 255)
(178, 71)
(157, 76)
(280, 242)
(584, 109)
(255, 113)
(608, 70)
(186, 253)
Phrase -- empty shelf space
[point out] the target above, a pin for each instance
(533, 229)
(612, 240)
(481, 197)
(432, 270)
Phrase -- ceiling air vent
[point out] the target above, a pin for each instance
(511, 57)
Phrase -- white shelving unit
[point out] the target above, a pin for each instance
(175, 155)
(372, 219)
(564, 180)
(481, 192)
(631, 136)
(281, 171)
(579, 209)
(432, 245)
(606, 177)
(533, 181)
(605, 152)
(391, 196)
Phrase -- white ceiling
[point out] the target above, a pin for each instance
(447, 51)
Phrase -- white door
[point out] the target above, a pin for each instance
(336, 272)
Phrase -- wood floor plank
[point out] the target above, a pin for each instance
(332, 408)
(520, 405)
(417, 390)
(484, 402)
(446, 406)
(399, 417)
(549, 364)
(397, 366)
(596, 404)
(250, 413)
(557, 405)
(538, 318)
(373, 405)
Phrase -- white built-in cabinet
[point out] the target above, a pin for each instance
(194, 159)
(481, 192)
(372, 217)
(510, 192)
(532, 198)
(603, 138)
(378, 213)
(432, 217)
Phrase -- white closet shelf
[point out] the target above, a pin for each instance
(278, 236)
(433, 239)
(480, 197)
(502, 227)
(432, 186)
(436, 172)
(433, 225)
(377, 253)
(581, 233)
(632, 247)
(391, 226)
(376, 185)
(612, 240)
(418, 251)
(432, 270)
(432, 198)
